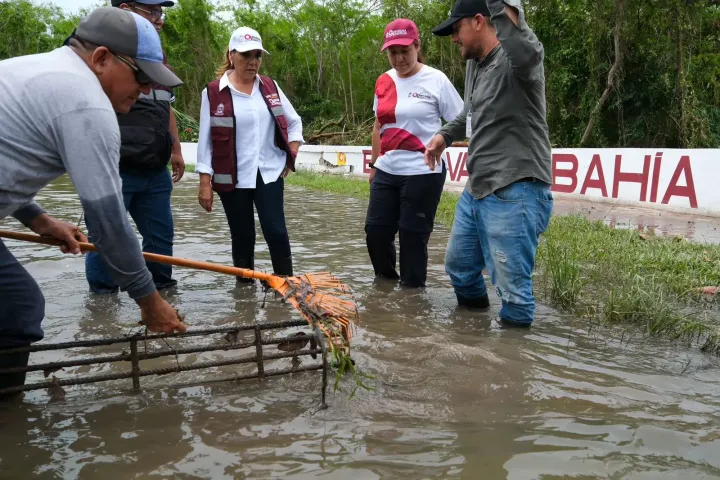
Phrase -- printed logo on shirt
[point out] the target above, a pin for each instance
(220, 111)
(422, 96)
(393, 33)
(274, 100)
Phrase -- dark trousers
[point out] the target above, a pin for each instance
(22, 309)
(268, 199)
(407, 203)
(147, 199)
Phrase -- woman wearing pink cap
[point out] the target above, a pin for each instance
(410, 100)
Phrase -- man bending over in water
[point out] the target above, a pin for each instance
(57, 115)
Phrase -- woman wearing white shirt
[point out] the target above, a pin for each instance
(410, 100)
(249, 137)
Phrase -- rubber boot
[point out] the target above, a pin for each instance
(8, 380)
(474, 303)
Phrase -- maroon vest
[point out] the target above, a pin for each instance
(222, 131)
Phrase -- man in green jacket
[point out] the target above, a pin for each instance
(507, 200)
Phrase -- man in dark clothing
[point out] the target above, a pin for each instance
(149, 137)
(507, 201)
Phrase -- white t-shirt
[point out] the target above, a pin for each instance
(409, 111)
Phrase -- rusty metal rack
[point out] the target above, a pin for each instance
(294, 346)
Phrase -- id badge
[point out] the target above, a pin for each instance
(468, 125)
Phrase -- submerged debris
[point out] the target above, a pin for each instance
(55, 391)
(295, 344)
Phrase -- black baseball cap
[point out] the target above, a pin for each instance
(162, 3)
(461, 9)
(122, 31)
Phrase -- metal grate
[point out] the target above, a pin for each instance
(294, 346)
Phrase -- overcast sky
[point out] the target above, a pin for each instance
(73, 6)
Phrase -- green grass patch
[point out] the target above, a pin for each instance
(360, 188)
(622, 277)
(188, 168)
(350, 186)
(605, 275)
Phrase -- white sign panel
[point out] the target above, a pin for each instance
(677, 178)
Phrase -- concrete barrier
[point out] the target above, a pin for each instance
(667, 179)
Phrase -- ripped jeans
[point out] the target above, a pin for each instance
(500, 232)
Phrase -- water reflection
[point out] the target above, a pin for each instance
(456, 395)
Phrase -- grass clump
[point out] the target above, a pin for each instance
(625, 277)
(351, 186)
(602, 274)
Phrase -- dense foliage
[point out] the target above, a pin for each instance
(639, 72)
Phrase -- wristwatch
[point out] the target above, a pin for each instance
(371, 164)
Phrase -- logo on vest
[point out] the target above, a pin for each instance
(273, 99)
(220, 111)
(394, 33)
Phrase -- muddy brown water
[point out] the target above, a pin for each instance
(456, 395)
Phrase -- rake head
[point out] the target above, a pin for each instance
(323, 301)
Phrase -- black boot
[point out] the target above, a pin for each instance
(474, 303)
(8, 380)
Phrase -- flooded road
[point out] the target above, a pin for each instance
(456, 396)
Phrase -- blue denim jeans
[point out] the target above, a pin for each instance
(500, 232)
(147, 199)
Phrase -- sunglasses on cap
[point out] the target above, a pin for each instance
(140, 76)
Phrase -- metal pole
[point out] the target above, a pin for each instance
(321, 343)
(259, 351)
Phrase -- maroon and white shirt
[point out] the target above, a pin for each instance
(409, 112)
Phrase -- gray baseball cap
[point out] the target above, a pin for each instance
(127, 33)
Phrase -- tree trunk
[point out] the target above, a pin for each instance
(320, 66)
(612, 75)
(342, 81)
(309, 71)
(350, 82)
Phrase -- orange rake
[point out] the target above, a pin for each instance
(321, 298)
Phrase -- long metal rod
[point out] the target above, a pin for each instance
(40, 367)
(128, 338)
(135, 365)
(259, 351)
(156, 371)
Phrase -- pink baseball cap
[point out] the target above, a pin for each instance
(400, 32)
